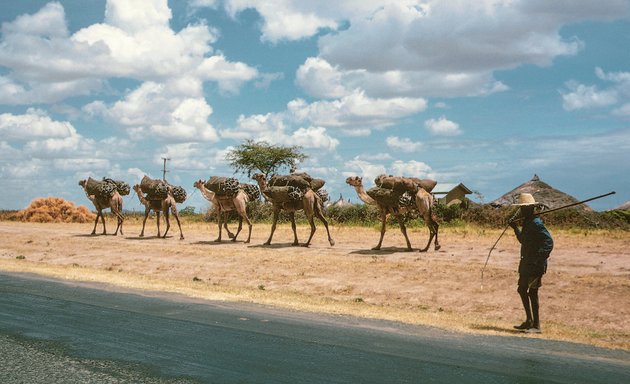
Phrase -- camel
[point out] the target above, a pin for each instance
(115, 203)
(165, 205)
(423, 204)
(311, 203)
(223, 205)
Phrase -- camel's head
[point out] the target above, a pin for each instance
(82, 183)
(259, 177)
(199, 183)
(136, 187)
(355, 181)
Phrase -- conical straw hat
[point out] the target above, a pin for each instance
(525, 199)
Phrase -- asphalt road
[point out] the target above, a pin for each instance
(61, 332)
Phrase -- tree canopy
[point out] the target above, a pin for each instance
(252, 156)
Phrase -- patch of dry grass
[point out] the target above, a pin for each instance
(54, 210)
(583, 296)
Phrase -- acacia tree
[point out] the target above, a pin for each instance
(252, 156)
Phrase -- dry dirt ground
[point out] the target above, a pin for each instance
(585, 295)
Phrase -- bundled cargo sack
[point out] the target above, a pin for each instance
(397, 183)
(323, 194)
(289, 180)
(100, 189)
(426, 184)
(284, 194)
(122, 187)
(317, 184)
(385, 196)
(407, 200)
(223, 186)
(303, 175)
(179, 193)
(252, 191)
(154, 189)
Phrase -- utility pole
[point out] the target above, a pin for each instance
(164, 169)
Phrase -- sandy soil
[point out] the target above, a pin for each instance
(585, 295)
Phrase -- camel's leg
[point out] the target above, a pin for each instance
(220, 221)
(436, 228)
(294, 228)
(181, 234)
(276, 214)
(403, 229)
(240, 227)
(320, 216)
(103, 221)
(146, 215)
(157, 213)
(249, 234)
(168, 222)
(225, 221)
(383, 224)
(98, 213)
(119, 219)
(424, 202)
(241, 208)
(433, 231)
(311, 221)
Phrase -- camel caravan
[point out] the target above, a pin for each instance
(392, 195)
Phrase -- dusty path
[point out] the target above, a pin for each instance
(584, 296)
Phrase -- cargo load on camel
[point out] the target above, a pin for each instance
(289, 181)
(121, 186)
(292, 187)
(406, 184)
(252, 191)
(223, 186)
(105, 189)
(385, 196)
(155, 189)
(284, 194)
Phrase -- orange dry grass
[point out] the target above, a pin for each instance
(55, 210)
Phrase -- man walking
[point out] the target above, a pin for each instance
(536, 245)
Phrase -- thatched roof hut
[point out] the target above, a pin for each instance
(542, 192)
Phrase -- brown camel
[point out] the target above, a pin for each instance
(311, 203)
(223, 205)
(115, 203)
(423, 204)
(165, 205)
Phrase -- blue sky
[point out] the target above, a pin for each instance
(487, 93)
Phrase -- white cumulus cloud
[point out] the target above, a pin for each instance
(442, 127)
(356, 110)
(403, 144)
(35, 124)
(411, 168)
(583, 96)
(135, 41)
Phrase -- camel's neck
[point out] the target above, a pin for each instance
(143, 201)
(262, 184)
(208, 194)
(363, 195)
(90, 197)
